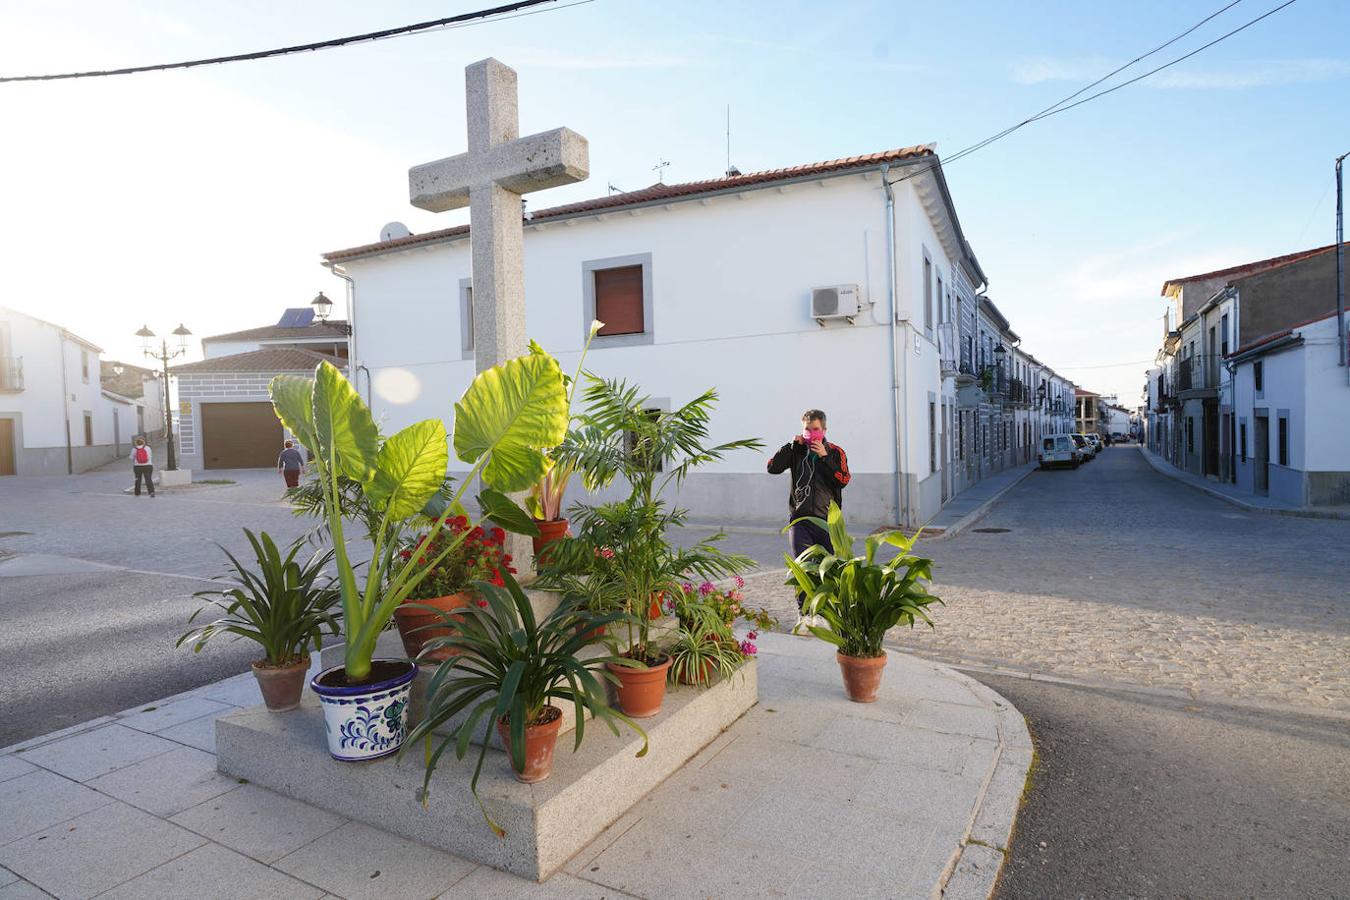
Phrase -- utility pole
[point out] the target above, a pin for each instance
(1340, 261)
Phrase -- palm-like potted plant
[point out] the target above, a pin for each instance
(285, 605)
(622, 435)
(506, 419)
(861, 599)
(505, 669)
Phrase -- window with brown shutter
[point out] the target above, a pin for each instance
(618, 300)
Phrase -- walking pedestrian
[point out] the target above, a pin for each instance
(142, 466)
(819, 475)
(291, 465)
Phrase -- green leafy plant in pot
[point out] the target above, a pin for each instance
(283, 604)
(706, 646)
(859, 598)
(505, 420)
(506, 667)
(621, 550)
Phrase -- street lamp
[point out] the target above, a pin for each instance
(323, 307)
(1040, 395)
(164, 354)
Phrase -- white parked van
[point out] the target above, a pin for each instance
(1059, 450)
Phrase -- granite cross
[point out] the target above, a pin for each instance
(499, 166)
(489, 179)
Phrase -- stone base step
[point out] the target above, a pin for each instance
(545, 823)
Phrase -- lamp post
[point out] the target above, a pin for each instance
(164, 354)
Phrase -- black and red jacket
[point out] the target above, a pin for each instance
(816, 480)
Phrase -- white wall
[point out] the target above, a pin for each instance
(1324, 423)
(217, 349)
(731, 283)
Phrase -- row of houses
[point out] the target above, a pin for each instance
(63, 408)
(1251, 385)
(846, 285)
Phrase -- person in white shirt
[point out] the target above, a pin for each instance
(142, 464)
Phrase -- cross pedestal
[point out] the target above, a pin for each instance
(490, 178)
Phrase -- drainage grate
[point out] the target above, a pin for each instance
(991, 530)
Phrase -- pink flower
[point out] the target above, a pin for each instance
(706, 588)
(752, 635)
(740, 582)
(607, 552)
(748, 648)
(687, 587)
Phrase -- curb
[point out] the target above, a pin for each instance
(974, 874)
(982, 510)
(1162, 467)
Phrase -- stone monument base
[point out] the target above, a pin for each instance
(546, 823)
(174, 477)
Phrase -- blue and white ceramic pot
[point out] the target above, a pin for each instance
(366, 721)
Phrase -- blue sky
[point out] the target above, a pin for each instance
(206, 196)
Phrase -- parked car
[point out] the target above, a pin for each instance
(1096, 441)
(1119, 438)
(1086, 449)
(1059, 450)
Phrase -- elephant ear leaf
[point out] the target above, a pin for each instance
(345, 430)
(502, 509)
(410, 469)
(510, 414)
(293, 401)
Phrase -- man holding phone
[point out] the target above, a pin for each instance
(819, 475)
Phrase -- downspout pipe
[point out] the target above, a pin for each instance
(65, 404)
(897, 415)
(352, 359)
(1340, 260)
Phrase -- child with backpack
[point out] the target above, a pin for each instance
(142, 465)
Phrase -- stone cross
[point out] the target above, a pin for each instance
(490, 178)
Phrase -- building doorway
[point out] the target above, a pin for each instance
(1210, 416)
(8, 452)
(1261, 456)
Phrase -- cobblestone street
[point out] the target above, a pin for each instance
(1114, 574)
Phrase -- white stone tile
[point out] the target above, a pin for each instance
(168, 783)
(199, 733)
(39, 800)
(22, 890)
(902, 744)
(96, 851)
(259, 823)
(94, 753)
(241, 690)
(488, 882)
(7, 877)
(920, 793)
(12, 766)
(753, 760)
(157, 717)
(219, 872)
(58, 734)
(357, 861)
(952, 718)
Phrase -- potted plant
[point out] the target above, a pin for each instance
(622, 435)
(505, 668)
(505, 420)
(480, 555)
(545, 500)
(706, 646)
(861, 599)
(284, 605)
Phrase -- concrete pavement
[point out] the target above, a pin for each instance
(807, 795)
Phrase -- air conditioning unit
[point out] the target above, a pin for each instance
(839, 301)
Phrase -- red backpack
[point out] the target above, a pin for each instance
(142, 456)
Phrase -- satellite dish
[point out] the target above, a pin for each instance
(393, 231)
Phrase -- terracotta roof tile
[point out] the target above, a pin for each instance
(657, 193)
(1250, 268)
(269, 359)
(333, 328)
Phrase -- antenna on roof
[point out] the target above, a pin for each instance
(614, 189)
(732, 171)
(660, 170)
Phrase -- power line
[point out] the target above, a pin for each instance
(470, 18)
(1059, 107)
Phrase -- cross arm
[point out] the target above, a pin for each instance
(531, 163)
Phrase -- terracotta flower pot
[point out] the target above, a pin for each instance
(540, 739)
(281, 685)
(641, 690)
(594, 634)
(862, 676)
(417, 625)
(702, 675)
(550, 530)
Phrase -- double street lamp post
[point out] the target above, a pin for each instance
(164, 354)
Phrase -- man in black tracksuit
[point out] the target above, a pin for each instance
(819, 475)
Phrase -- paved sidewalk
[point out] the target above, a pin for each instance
(807, 795)
(969, 506)
(1230, 494)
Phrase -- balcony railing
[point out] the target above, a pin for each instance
(1198, 372)
(11, 373)
(946, 335)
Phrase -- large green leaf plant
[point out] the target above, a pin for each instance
(859, 598)
(506, 420)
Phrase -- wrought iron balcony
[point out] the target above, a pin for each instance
(946, 335)
(11, 373)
